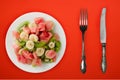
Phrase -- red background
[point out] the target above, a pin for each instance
(67, 13)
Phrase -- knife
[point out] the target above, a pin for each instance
(103, 39)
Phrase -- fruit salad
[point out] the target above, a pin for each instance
(36, 42)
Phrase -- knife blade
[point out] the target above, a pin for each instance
(103, 26)
(103, 39)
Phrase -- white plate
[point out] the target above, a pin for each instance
(9, 42)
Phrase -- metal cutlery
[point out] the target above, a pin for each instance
(103, 39)
(83, 27)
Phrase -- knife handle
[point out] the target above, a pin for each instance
(104, 63)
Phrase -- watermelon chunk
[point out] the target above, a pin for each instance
(38, 20)
(41, 27)
(26, 29)
(56, 36)
(54, 59)
(35, 55)
(36, 62)
(33, 29)
(16, 48)
(27, 55)
(29, 61)
(45, 36)
(22, 59)
(16, 34)
(49, 25)
(50, 54)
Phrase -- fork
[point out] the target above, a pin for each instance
(83, 27)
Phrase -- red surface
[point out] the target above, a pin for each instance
(67, 13)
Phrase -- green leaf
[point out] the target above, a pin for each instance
(52, 39)
(51, 60)
(25, 23)
(46, 47)
(22, 43)
(25, 48)
(57, 46)
(17, 42)
(42, 57)
(52, 32)
(53, 49)
(57, 49)
(40, 44)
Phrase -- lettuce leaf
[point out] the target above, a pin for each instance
(21, 25)
(40, 44)
(57, 46)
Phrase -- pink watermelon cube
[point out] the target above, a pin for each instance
(38, 20)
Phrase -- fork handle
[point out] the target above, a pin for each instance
(83, 61)
(83, 65)
(103, 63)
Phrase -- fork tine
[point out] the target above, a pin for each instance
(86, 17)
(80, 17)
(83, 17)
